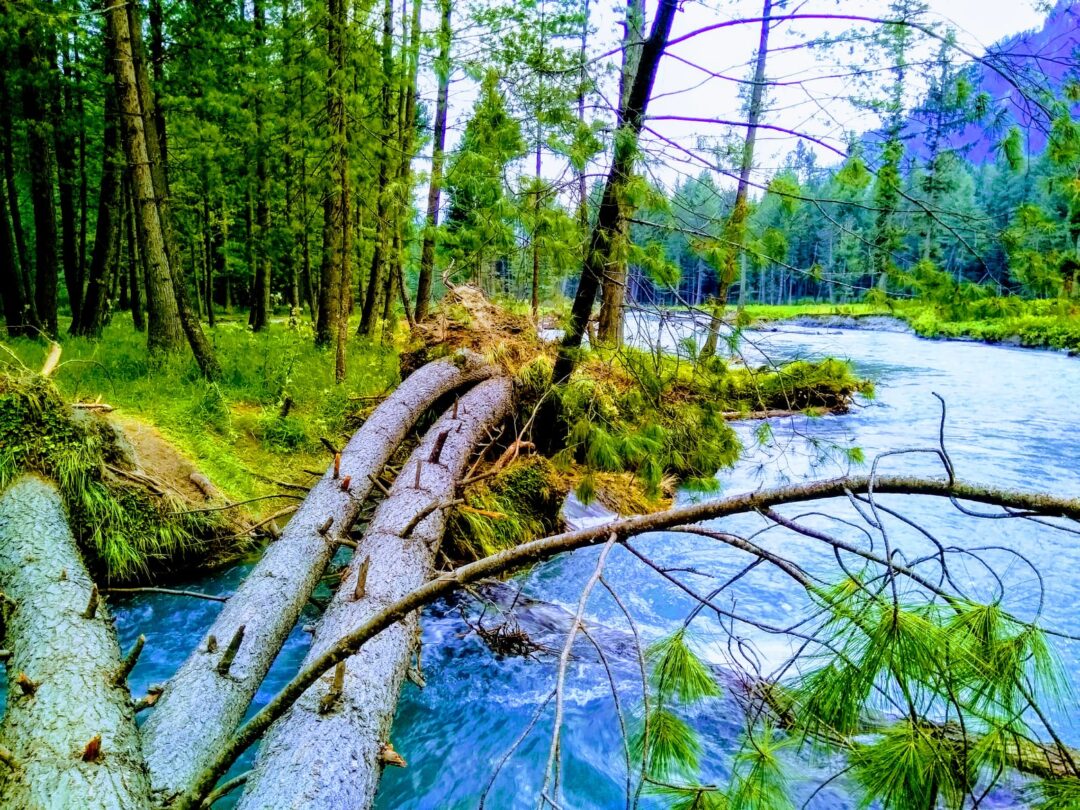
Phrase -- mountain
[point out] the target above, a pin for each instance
(1012, 72)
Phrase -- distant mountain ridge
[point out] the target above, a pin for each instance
(1044, 58)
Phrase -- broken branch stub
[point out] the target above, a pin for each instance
(320, 759)
(200, 710)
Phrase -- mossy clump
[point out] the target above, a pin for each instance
(828, 384)
(126, 530)
(467, 319)
(518, 504)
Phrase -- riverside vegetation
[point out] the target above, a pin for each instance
(231, 330)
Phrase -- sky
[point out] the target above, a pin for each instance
(818, 106)
(815, 103)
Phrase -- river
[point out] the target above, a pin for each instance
(1012, 421)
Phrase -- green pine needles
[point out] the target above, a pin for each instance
(930, 702)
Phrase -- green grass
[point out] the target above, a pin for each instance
(232, 429)
(1038, 323)
(1035, 324)
(755, 313)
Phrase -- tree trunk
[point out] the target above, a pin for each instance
(154, 145)
(210, 248)
(344, 303)
(736, 225)
(105, 259)
(39, 148)
(334, 219)
(11, 292)
(69, 657)
(609, 219)
(200, 709)
(25, 269)
(427, 252)
(328, 757)
(164, 332)
(377, 286)
(613, 286)
(260, 303)
(63, 123)
(84, 180)
(136, 276)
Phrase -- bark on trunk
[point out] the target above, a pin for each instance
(200, 709)
(609, 325)
(154, 123)
(260, 304)
(25, 270)
(334, 217)
(325, 752)
(164, 333)
(66, 151)
(72, 657)
(40, 157)
(375, 296)
(105, 259)
(736, 224)
(10, 285)
(427, 252)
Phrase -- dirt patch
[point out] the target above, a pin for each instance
(154, 456)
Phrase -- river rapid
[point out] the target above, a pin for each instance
(1012, 421)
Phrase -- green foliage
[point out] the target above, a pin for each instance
(914, 767)
(1056, 794)
(758, 779)
(678, 678)
(671, 748)
(690, 797)
(676, 674)
(518, 504)
(232, 428)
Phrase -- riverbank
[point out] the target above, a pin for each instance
(1039, 324)
(637, 424)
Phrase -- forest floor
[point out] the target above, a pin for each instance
(262, 420)
(1040, 323)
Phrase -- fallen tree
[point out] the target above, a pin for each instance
(1021, 504)
(68, 737)
(205, 702)
(302, 761)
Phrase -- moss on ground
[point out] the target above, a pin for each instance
(262, 420)
(518, 504)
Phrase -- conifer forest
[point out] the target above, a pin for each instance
(552, 404)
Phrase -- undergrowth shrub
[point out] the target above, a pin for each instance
(518, 504)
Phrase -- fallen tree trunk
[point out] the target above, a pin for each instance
(205, 701)
(68, 732)
(327, 751)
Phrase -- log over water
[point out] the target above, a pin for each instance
(69, 724)
(325, 753)
(201, 708)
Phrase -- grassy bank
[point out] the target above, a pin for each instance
(262, 420)
(1044, 323)
(638, 425)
